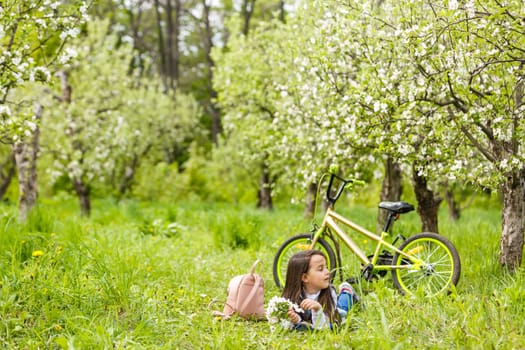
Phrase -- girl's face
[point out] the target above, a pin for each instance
(317, 277)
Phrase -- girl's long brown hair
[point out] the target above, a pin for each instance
(293, 288)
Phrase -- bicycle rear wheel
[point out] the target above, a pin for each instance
(294, 245)
(440, 270)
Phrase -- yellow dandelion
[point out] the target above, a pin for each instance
(37, 253)
(23, 241)
(58, 327)
(59, 249)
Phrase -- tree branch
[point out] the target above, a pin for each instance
(478, 145)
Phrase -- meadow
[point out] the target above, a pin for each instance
(141, 276)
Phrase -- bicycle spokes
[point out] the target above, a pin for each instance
(437, 268)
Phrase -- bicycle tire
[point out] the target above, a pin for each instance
(441, 270)
(294, 245)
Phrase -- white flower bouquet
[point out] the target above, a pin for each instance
(277, 311)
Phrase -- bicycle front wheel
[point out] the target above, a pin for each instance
(438, 272)
(294, 245)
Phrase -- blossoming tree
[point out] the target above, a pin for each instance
(437, 85)
(291, 115)
(32, 35)
(470, 58)
(108, 117)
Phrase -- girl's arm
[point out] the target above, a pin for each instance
(319, 319)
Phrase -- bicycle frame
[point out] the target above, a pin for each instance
(331, 220)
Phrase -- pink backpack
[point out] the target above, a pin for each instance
(245, 296)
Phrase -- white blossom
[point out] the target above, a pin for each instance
(69, 33)
(31, 125)
(277, 311)
(54, 5)
(5, 111)
(470, 8)
(67, 54)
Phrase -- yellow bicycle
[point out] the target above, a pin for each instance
(425, 263)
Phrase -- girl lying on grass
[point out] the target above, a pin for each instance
(308, 286)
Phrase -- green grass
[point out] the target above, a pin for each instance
(142, 276)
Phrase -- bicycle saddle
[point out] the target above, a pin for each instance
(397, 207)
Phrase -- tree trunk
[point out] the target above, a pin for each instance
(169, 43)
(176, 45)
(130, 171)
(311, 198)
(513, 213)
(65, 86)
(282, 14)
(428, 203)
(26, 154)
(6, 174)
(216, 125)
(83, 192)
(247, 11)
(265, 190)
(125, 184)
(454, 212)
(513, 220)
(81, 188)
(162, 50)
(391, 189)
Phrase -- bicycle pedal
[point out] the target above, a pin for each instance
(367, 272)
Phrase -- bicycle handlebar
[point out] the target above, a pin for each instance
(344, 183)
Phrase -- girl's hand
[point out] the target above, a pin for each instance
(293, 316)
(309, 304)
